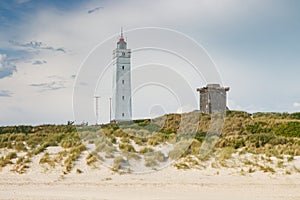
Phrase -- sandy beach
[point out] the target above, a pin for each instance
(169, 183)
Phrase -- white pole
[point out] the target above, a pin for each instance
(97, 108)
(109, 109)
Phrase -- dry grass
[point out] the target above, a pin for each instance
(125, 147)
(182, 165)
(131, 156)
(146, 150)
(179, 150)
(119, 163)
(272, 134)
(73, 156)
(20, 168)
(152, 159)
(46, 159)
(59, 157)
(7, 159)
(92, 158)
(266, 168)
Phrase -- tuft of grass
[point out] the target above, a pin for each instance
(127, 147)
(242, 172)
(132, 156)
(182, 165)
(4, 162)
(266, 169)
(159, 156)
(290, 158)
(20, 160)
(195, 147)
(150, 162)
(225, 154)
(192, 161)
(74, 155)
(118, 163)
(146, 150)
(153, 141)
(248, 162)
(20, 168)
(153, 158)
(46, 159)
(125, 140)
(7, 159)
(19, 146)
(11, 155)
(92, 158)
(180, 149)
(251, 170)
(59, 157)
(280, 164)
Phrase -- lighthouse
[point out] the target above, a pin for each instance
(121, 100)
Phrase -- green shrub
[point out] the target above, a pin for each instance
(260, 140)
(295, 115)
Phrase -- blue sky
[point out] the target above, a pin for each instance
(254, 44)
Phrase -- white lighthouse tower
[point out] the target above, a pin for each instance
(122, 108)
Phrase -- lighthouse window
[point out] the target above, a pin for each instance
(123, 67)
(123, 53)
(123, 82)
(122, 114)
(123, 97)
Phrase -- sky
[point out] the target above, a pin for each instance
(51, 51)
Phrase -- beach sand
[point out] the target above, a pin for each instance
(169, 183)
(41, 181)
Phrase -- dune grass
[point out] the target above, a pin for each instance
(46, 159)
(119, 163)
(271, 134)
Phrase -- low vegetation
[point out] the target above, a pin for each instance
(269, 134)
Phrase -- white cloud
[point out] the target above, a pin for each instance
(35, 45)
(296, 105)
(39, 62)
(5, 93)
(54, 85)
(6, 68)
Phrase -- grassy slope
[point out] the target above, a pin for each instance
(272, 134)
